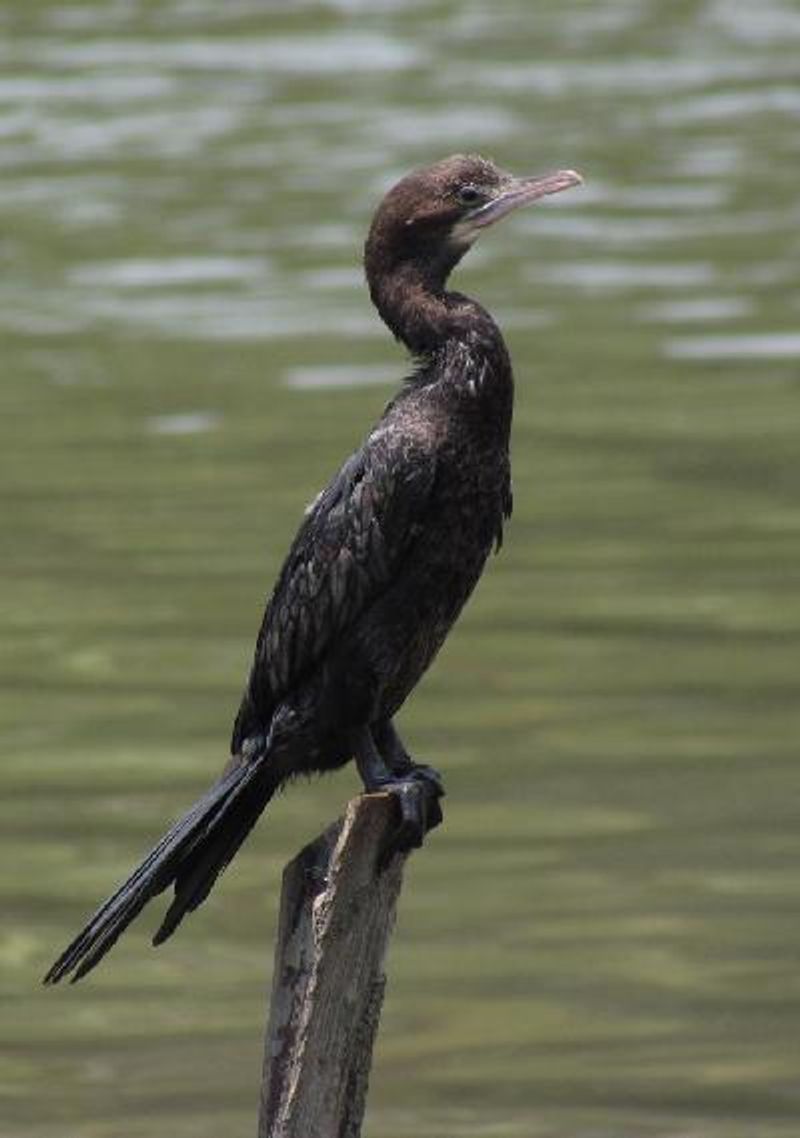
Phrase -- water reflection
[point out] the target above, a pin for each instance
(602, 276)
(169, 271)
(696, 310)
(765, 345)
(183, 423)
(341, 375)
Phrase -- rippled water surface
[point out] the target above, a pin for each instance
(603, 940)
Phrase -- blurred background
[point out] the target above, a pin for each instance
(602, 942)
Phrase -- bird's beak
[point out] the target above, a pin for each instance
(522, 191)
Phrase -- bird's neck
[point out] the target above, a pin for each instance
(456, 342)
(423, 314)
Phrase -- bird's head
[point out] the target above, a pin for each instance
(431, 217)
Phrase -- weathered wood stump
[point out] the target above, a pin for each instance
(337, 913)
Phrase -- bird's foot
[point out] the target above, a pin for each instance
(423, 773)
(418, 795)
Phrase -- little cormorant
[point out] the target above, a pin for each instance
(382, 564)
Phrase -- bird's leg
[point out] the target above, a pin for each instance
(397, 758)
(375, 774)
(418, 798)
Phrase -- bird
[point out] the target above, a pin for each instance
(383, 562)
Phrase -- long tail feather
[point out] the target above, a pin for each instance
(213, 852)
(192, 854)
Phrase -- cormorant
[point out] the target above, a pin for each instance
(383, 562)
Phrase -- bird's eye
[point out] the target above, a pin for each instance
(469, 195)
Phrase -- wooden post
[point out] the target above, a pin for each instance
(337, 913)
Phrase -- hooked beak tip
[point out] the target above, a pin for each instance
(533, 188)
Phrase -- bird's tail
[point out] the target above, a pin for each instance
(191, 855)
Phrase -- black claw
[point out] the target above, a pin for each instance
(417, 796)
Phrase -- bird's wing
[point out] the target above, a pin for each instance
(347, 551)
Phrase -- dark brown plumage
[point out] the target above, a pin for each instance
(383, 563)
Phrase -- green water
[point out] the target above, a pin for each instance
(602, 942)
